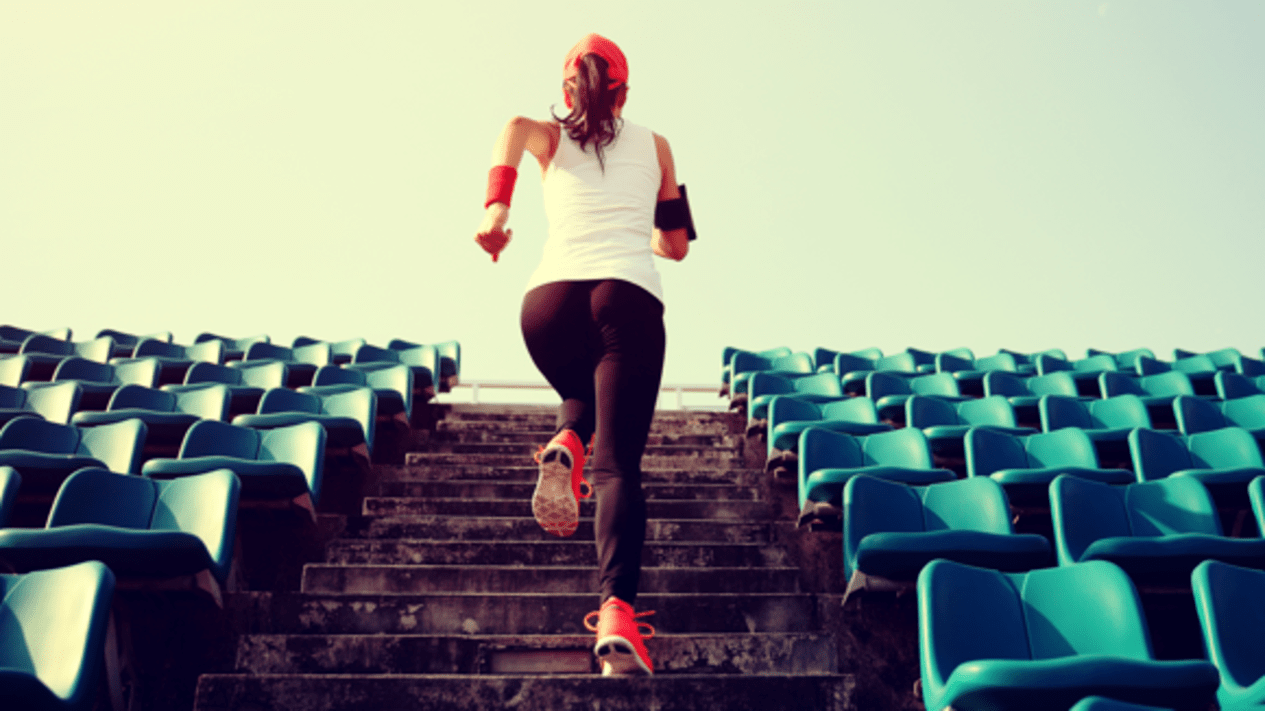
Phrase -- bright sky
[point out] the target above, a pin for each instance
(1003, 173)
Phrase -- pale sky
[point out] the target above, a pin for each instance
(1005, 173)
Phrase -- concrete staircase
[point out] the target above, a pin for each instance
(445, 593)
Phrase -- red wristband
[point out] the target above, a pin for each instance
(501, 184)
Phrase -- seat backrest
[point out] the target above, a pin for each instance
(1144, 366)
(263, 374)
(1226, 448)
(995, 410)
(1062, 448)
(823, 384)
(899, 448)
(46, 345)
(1125, 360)
(935, 384)
(999, 362)
(793, 363)
(334, 375)
(360, 404)
(785, 408)
(1113, 384)
(1157, 454)
(205, 352)
(313, 354)
(95, 495)
(1047, 364)
(211, 438)
(1171, 506)
(74, 368)
(879, 384)
(208, 402)
(140, 371)
(1085, 511)
(233, 347)
(36, 435)
(396, 377)
(1224, 358)
(947, 363)
(13, 369)
(897, 363)
(1195, 414)
(764, 383)
(974, 504)
(140, 397)
(822, 449)
(1170, 383)
(1004, 384)
(260, 350)
(55, 402)
(1060, 383)
(204, 505)
(161, 349)
(1246, 412)
(1088, 608)
(853, 409)
(1198, 365)
(742, 361)
(1059, 411)
(1119, 412)
(450, 357)
(873, 505)
(211, 373)
(118, 445)
(62, 650)
(850, 362)
(285, 400)
(12, 397)
(302, 445)
(923, 411)
(1228, 599)
(10, 482)
(1095, 364)
(988, 451)
(824, 357)
(1232, 385)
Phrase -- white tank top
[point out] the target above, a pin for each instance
(601, 223)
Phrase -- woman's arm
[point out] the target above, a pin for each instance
(540, 138)
(672, 244)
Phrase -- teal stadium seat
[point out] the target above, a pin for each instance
(763, 387)
(52, 637)
(1157, 392)
(11, 337)
(1224, 457)
(1024, 394)
(828, 359)
(727, 357)
(10, 482)
(424, 361)
(1231, 386)
(341, 352)
(54, 402)
(46, 452)
(1125, 360)
(946, 422)
(281, 463)
(301, 363)
(125, 343)
(14, 370)
(246, 381)
(46, 352)
(1107, 420)
(890, 530)
(828, 459)
(141, 528)
(1084, 372)
(449, 359)
(970, 373)
(176, 359)
(1196, 414)
(1025, 466)
(167, 415)
(745, 365)
(1199, 369)
(1043, 640)
(98, 381)
(890, 391)
(1228, 360)
(234, 348)
(1027, 362)
(1102, 703)
(1232, 619)
(789, 416)
(348, 416)
(393, 385)
(1157, 531)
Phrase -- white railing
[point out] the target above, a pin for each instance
(671, 397)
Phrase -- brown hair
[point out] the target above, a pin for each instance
(593, 103)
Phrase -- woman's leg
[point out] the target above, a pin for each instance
(631, 340)
(561, 339)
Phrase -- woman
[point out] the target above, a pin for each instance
(593, 316)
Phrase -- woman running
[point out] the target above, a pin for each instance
(592, 316)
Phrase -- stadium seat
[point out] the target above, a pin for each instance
(281, 463)
(1157, 392)
(763, 387)
(1025, 466)
(891, 530)
(301, 363)
(141, 528)
(828, 459)
(1228, 456)
(53, 636)
(341, 352)
(14, 370)
(46, 453)
(176, 359)
(727, 357)
(166, 414)
(393, 385)
(449, 359)
(1043, 640)
(423, 361)
(890, 392)
(1125, 360)
(348, 416)
(1025, 393)
(98, 381)
(52, 401)
(789, 416)
(1232, 619)
(1110, 419)
(246, 381)
(47, 352)
(1231, 386)
(1199, 369)
(744, 365)
(10, 482)
(1102, 703)
(1157, 531)
(946, 422)
(825, 359)
(1196, 414)
(970, 373)
(1246, 412)
(125, 343)
(1084, 372)
(1228, 360)
(234, 348)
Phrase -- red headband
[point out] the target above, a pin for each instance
(594, 43)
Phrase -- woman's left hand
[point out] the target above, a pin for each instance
(492, 235)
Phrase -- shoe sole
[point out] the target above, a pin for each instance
(618, 658)
(554, 504)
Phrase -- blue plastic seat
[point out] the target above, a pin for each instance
(449, 353)
(970, 373)
(393, 385)
(1247, 413)
(1125, 360)
(1232, 385)
(141, 528)
(828, 459)
(348, 416)
(1157, 531)
(281, 463)
(945, 423)
(1153, 389)
(46, 453)
(1027, 465)
(46, 352)
(98, 381)
(125, 343)
(827, 359)
(246, 381)
(727, 358)
(14, 370)
(890, 392)
(763, 387)
(166, 414)
(744, 365)
(341, 352)
(12, 337)
(423, 361)
(1232, 619)
(1224, 457)
(52, 636)
(176, 359)
(1199, 370)
(52, 401)
(1025, 393)
(1084, 372)
(789, 416)
(891, 530)
(1043, 640)
(301, 363)
(234, 348)
(10, 482)
(1111, 419)
(853, 365)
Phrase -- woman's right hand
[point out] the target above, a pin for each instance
(492, 235)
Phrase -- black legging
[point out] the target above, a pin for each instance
(600, 344)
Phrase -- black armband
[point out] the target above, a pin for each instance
(675, 214)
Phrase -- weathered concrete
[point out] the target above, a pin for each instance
(672, 473)
(522, 491)
(713, 510)
(557, 552)
(691, 457)
(525, 528)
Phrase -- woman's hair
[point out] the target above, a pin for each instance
(592, 118)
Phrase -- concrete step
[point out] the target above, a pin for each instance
(525, 528)
(677, 473)
(655, 509)
(555, 552)
(528, 449)
(500, 614)
(548, 414)
(694, 458)
(770, 653)
(536, 438)
(515, 579)
(524, 489)
(463, 692)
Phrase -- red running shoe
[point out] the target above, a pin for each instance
(556, 502)
(620, 643)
